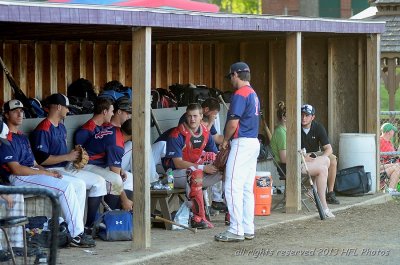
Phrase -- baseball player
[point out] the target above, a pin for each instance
(103, 111)
(49, 145)
(105, 150)
(12, 203)
(185, 146)
(18, 167)
(241, 129)
(211, 107)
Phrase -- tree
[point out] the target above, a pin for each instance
(239, 6)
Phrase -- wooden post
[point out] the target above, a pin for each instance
(141, 70)
(372, 90)
(293, 99)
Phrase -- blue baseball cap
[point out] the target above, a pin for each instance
(308, 109)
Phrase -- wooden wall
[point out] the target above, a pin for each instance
(332, 70)
(43, 68)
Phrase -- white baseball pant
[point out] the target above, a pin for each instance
(15, 234)
(180, 179)
(95, 184)
(239, 182)
(72, 196)
(114, 182)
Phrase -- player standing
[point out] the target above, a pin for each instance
(241, 129)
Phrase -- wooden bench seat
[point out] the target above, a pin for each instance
(164, 198)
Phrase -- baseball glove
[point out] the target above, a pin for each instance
(222, 157)
(83, 157)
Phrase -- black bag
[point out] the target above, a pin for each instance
(352, 181)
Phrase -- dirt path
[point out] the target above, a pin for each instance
(359, 235)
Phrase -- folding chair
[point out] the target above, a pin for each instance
(282, 176)
(14, 221)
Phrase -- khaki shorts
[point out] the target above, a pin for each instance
(331, 156)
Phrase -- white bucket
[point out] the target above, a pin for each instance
(358, 149)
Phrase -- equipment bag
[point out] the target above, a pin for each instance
(352, 181)
(115, 225)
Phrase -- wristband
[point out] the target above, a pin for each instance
(201, 167)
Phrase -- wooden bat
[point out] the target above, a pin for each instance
(18, 93)
(156, 217)
(266, 128)
(315, 193)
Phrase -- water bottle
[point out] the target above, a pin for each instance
(398, 186)
(170, 178)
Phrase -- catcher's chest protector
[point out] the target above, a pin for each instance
(194, 144)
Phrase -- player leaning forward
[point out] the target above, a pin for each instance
(241, 130)
(18, 166)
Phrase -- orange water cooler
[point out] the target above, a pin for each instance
(262, 193)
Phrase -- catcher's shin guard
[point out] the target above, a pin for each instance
(195, 179)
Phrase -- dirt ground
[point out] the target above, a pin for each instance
(359, 235)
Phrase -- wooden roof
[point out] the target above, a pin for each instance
(40, 21)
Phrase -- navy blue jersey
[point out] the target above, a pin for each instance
(245, 107)
(106, 147)
(83, 134)
(188, 149)
(49, 140)
(19, 151)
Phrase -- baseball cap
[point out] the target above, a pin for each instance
(387, 127)
(57, 99)
(238, 67)
(12, 105)
(3, 132)
(308, 109)
(123, 103)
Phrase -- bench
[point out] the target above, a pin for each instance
(164, 199)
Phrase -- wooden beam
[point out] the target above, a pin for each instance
(331, 87)
(361, 86)
(38, 70)
(271, 84)
(158, 64)
(372, 90)
(23, 62)
(293, 99)
(53, 68)
(141, 70)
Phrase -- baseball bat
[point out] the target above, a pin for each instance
(18, 93)
(266, 128)
(155, 122)
(223, 101)
(156, 217)
(315, 193)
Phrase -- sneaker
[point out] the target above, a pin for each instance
(83, 241)
(41, 258)
(220, 206)
(227, 219)
(393, 192)
(248, 236)
(228, 237)
(199, 225)
(331, 198)
(328, 213)
(4, 255)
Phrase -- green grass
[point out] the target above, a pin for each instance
(385, 96)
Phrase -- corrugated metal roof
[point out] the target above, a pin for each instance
(96, 15)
